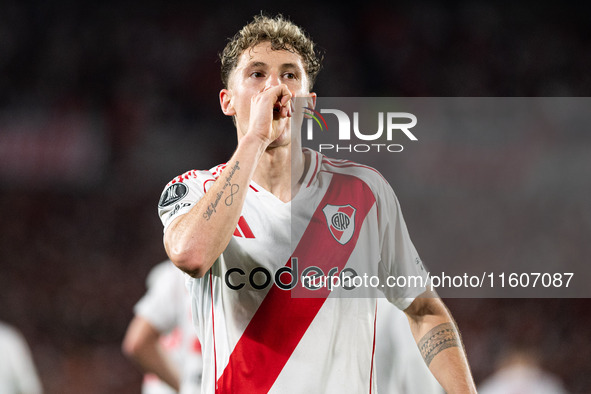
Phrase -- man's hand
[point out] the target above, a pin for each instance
(270, 111)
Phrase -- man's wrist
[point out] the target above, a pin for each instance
(253, 143)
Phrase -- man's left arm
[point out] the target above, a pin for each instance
(440, 343)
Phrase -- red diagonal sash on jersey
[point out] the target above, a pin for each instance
(281, 321)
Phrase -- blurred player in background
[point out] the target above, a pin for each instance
(228, 226)
(519, 372)
(400, 369)
(161, 338)
(18, 374)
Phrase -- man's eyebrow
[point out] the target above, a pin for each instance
(285, 66)
(256, 64)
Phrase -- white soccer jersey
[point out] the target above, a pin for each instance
(167, 306)
(258, 337)
(400, 369)
(17, 370)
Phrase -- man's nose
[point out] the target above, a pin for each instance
(272, 80)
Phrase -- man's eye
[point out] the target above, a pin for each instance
(256, 74)
(289, 75)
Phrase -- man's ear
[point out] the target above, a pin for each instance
(226, 102)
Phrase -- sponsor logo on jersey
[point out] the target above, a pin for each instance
(341, 221)
(312, 277)
(172, 194)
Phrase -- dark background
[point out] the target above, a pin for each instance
(101, 104)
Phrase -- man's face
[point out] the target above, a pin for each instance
(258, 68)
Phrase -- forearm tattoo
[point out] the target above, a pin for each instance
(229, 200)
(233, 186)
(439, 338)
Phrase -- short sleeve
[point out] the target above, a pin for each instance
(401, 268)
(155, 305)
(181, 194)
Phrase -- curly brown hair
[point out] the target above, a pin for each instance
(282, 34)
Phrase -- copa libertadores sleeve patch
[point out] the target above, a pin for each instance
(172, 194)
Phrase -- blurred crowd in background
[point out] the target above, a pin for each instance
(102, 103)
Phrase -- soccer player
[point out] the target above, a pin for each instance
(244, 231)
(161, 338)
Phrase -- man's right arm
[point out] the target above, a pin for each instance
(195, 240)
